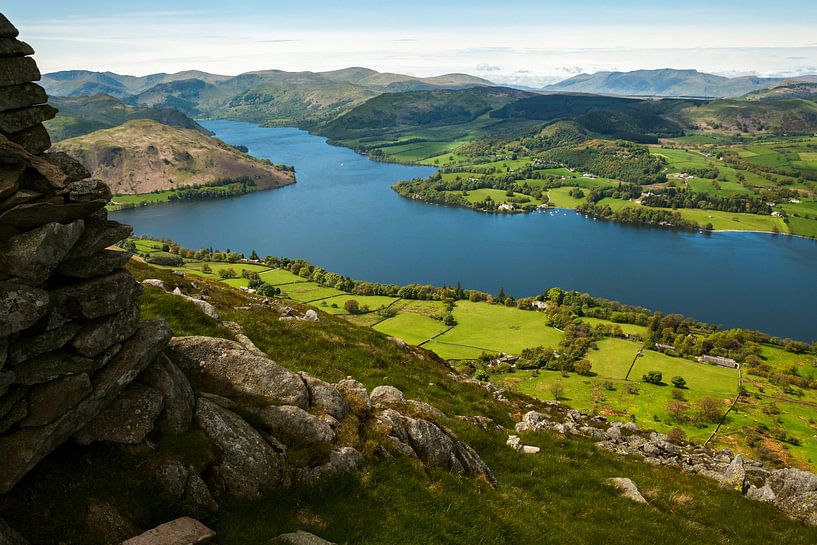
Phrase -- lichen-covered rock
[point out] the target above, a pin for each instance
(734, 477)
(21, 306)
(311, 316)
(228, 368)
(12, 121)
(627, 489)
(97, 297)
(99, 334)
(100, 232)
(788, 482)
(325, 398)
(300, 538)
(107, 524)
(30, 346)
(52, 366)
(155, 282)
(73, 169)
(182, 531)
(802, 507)
(29, 216)
(296, 427)
(355, 395)
(101, 263)
(49, 401)
(182, 483)
(128, 420)
(384, 397)
(179, 401)
(341, 460)
(249, 466)
(21, 450)
(88, 190)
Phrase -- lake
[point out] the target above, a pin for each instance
(343, 216)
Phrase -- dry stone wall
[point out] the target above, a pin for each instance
(70, 337)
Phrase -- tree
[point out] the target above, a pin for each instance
(449, 320)
(557, 390)
(677, 436)
(351, 306)
(205, 268)
(482, 375)
(254, 256)
(227, 272)
(583, 367)
(653, 377)
(679, 382)
(677, 410)
(710, 409)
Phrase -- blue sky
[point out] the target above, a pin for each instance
(517, 41)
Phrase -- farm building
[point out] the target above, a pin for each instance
(718, 360)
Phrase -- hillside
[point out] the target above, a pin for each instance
(143, 156)
(787, 89)
(784, 115)
(273, 97)
(85, 114)
(664, 82)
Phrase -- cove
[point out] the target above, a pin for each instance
(343, 216)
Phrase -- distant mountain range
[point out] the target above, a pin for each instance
(273, 97)
(667, 83)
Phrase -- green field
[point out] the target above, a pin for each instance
(560, 198)
(334, 305)
(412, 328)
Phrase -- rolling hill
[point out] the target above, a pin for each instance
(82, 115)
(272, 97)
(664, 82)
(142, 156)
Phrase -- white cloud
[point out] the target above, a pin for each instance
(485, 67)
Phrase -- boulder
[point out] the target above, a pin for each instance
(205, 307)
(249, 466)
(52, 175)
(300, 538)
(12, 121)
(296, 427)
(21, 450)
(226, 368)
(183, 484)
(31, 346)
(21, 306)
(627, 489)
(107, 524)
(14, 71)
(88, 190)
(52, 366)
(11, 47)
(325, 398)
(384, 397)
(735, 475)
(49, 401)
(341, 460)
(22, 196)
(97, 335)
(100, 263)
(22, 95)
(34, 139)
(802, 507)
(514, 442)
(791, 482)
(29, 216)
(128, 420)
(179, 401)
(155, 282)
(7, 30)
(182, 531)
(100, 233)
(764, 493)
(97, 297)
(355, 395)
(425, 409)
(311, 316)
(73, 169)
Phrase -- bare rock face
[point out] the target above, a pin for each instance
(249, 466)
(231, 369)
(182, 531)
(296, 427)
(179, 401)
(127, 420)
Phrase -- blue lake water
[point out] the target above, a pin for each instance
(343, 216)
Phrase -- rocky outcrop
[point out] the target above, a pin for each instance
(627, 489)
(791, 490)
(300, 538)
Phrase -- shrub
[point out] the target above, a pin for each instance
(583, 367)
(166, 260)
(653, 377)
(557, 390)
(677, 435)
(608, 385)
(482, 375)
(678, 394)
(227, 273)
(710, 409)
(351, 306)
(677, 410)
(679, 382)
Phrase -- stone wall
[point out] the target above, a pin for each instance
(70, 336)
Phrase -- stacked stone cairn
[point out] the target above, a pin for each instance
(70, 337)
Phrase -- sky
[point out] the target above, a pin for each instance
(521, 42)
